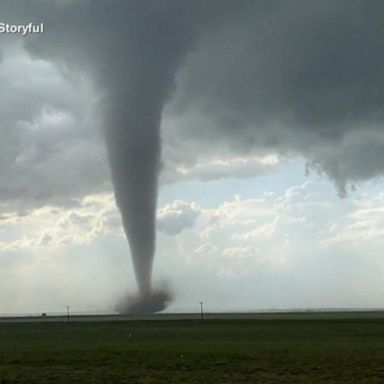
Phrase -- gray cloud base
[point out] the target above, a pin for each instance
(303, 77)
(298, 77)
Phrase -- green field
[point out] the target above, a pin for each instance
(323, 348)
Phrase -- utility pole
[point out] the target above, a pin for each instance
(201, 310)
(67, 312)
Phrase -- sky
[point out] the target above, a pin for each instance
(271, 121)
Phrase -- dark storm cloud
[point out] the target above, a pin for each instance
(304, 77)
(298, 77)
(49, 140)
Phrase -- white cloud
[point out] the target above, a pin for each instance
(95, 216)
(267, 231)
(222, 166)
(239, 252)
(175, 217)
(260, 245)
(362, 226)
(206, 250)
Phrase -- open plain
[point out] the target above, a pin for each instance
(238, 348)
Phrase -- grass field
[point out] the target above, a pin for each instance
(334, 348)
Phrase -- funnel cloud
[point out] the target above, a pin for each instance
(140, 45)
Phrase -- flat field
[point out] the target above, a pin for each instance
(280, 348)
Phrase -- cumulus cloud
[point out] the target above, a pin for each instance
(94, 217)
(173, 218)
(301, 250)
(362, 226)
(269, 230)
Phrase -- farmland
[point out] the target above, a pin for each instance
(265, 348)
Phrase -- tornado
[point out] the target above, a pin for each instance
(138, 84)
(131, 49)
(133, 143)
